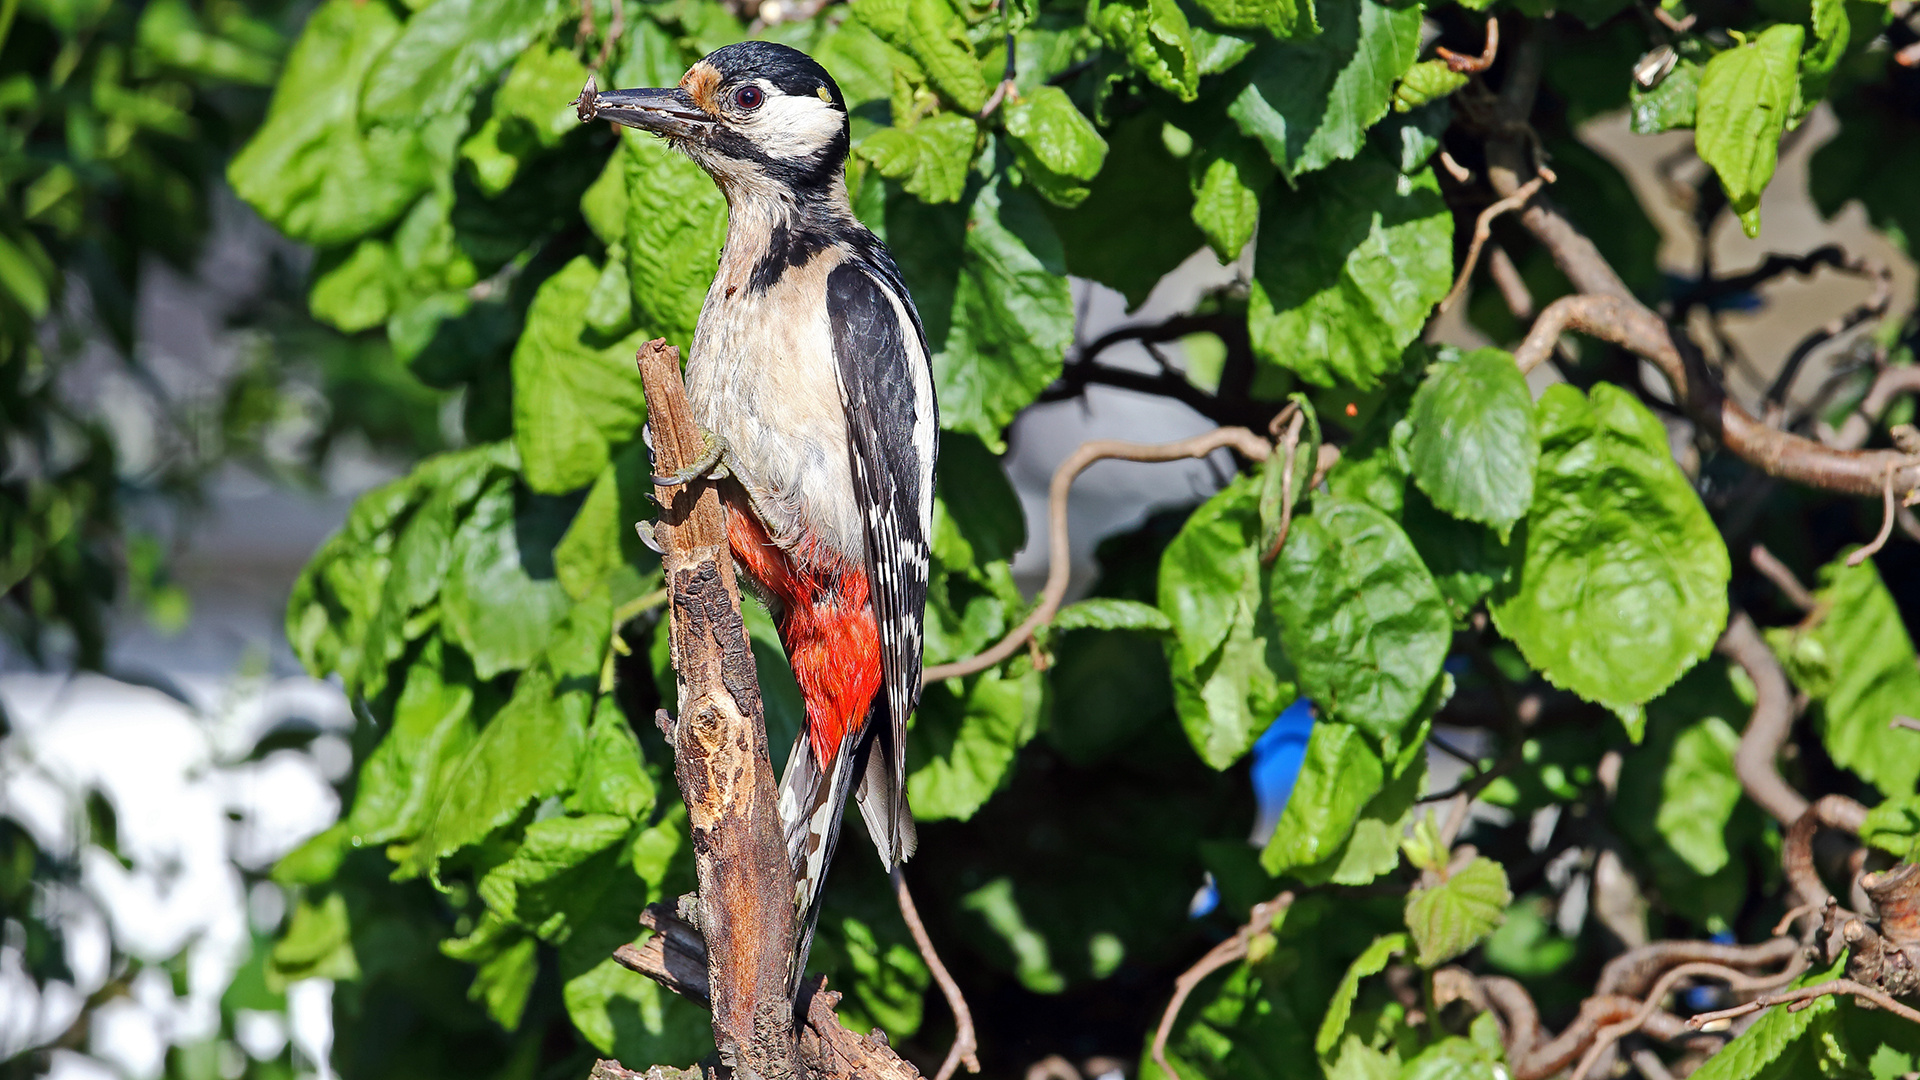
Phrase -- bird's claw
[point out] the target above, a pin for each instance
(709, 463)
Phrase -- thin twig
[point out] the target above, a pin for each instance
(965, 1043)
(1887, 385)
(1226, 952)
(1886, 526)
(1454, 169)
(1738, 980)
(1770, 567)
(1291, 442)
(1482, 229)
(1469, 65)
(1807, 994)
(1903, 722)
(1059, 551)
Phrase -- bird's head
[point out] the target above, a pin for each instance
(760, 117)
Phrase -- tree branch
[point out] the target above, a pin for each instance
(1771, 723)
(744, 909)
(1228, 951)
(1632, 326)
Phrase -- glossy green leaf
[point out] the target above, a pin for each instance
(1311, 102)
(431, 733)
(1453, 916)
(1474, 442)
(317, 944)
(1229, 176)
(1371, 962)
(993, 294)
(1747, 95)
(1622, 577)
(1870, 676)
(1831, 31)
(1338, 777)
(1155, 38)
(1360, 616)
(1230, 675)
(935, 36)
(528, 751)
(1429, 80)
(1670, 104)
(1058, 148)
(964, 743)
(502, 601)
(1102, 238)
(932, 158)
(613, 779)
(447, 51)
(572, 401)
(1894, 827)
(1108, 613)
(1347, 268)
(1282, 18)
(313, 169)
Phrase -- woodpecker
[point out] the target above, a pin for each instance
(810, 371)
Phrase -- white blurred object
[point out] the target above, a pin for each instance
(190, 812)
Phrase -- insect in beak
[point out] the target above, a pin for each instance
(668, 112)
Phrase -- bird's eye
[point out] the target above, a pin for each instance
(748, 97)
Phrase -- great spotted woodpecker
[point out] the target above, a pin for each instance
(811, 371)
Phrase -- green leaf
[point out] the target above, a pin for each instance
(1102, 237)
(1622, 578)
(549, 851)
(994, 295)
(1347, 268)
(996, 904)
(964, 743)
(1699, 793)
(612, 778)
(1107, 613)
(1230, 676)
(676, 221)
(1360, 616)
(1474, 443)
(635, 1019)
(1449, 918)
(932, 158)
(1670, 104)
(1747, 95)
(311, 169)
(1894, 826)
(1155, 38)
(977, 516)
(1772, 1047)
(317, 944)
(572, 401)
(601, 551)
(1338, 776)
(431, 733)
(932, 33)
(502, 601)
(1429, 80)
(1831, 31)
(885, 979)
(1229, 174)
(1058, 148)
(1282, 18)
(1372, 846)
(1870, 677)
(1311, 102)
(1466, 559)
(357, 293)
(528, 751)
(447, 51)
(504, 981)
(1371, 962)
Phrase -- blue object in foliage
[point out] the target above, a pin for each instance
(1276, 766)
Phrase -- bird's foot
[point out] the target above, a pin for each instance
(710, 463)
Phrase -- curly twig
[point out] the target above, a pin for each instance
(1059, 554)
(965, 1042)
(1771, 723)
(1469, 65)
(1228, 951)
(1769, 566)
(1739, 980)
(1482, 230)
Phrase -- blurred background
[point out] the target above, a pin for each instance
(180, 435)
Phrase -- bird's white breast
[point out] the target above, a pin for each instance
(762, 375)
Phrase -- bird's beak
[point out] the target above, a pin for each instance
(668, 112)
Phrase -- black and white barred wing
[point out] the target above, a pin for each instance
(886, 384)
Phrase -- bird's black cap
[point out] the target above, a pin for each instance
(784, 66)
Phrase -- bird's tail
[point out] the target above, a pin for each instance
(812, 805)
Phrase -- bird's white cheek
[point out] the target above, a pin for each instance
(794, 127)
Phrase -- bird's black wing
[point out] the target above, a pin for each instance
(886, 386)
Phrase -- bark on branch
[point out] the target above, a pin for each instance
(744, 910)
